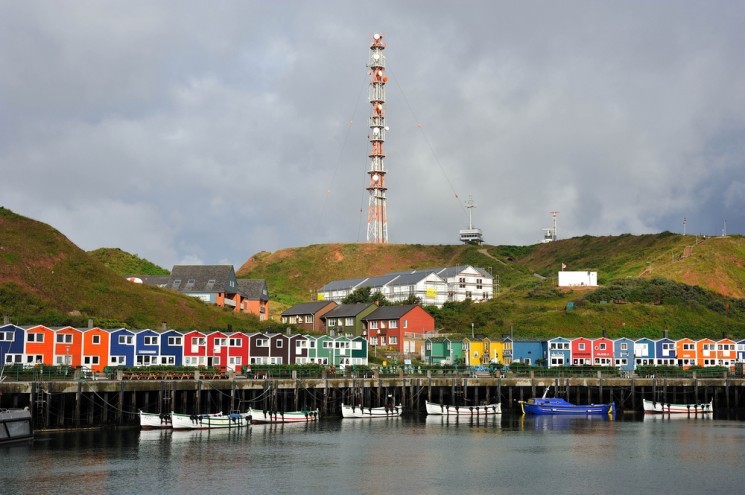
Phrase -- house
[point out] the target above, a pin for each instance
(386, 325)
(531, 352)
(476, 351)
(559, 352)
(215, 284)
(255, 297)
(644, 352)
(665, 352)
(122, 351)
(237, 351)
(96, 344)
(726, 353)
(147, 348)
(346, 319)
(308, 316)
(68, 346)
(623, 353)
(195, 348)
(602, 352)
(442, 350)
(12, 345)
(581, 351)
(686, 352)
(433, 286)
(706, 349)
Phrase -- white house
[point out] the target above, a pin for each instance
(578, 279)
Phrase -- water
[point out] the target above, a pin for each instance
(512, 454)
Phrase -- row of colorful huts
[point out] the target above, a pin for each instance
(97, 348)
(623, 353)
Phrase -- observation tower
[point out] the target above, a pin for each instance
(377, 219)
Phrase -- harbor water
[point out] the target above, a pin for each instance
(420, 455)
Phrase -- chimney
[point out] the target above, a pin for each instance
(230, 327)
(725, 335)
(6, 320)
(664, 333)
(90, 322)
(604, 333)
(163, 326)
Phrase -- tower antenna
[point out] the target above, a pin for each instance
(554, 214)
(377, 217)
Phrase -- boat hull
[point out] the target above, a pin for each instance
(208, 421)
(154, 421)
(348, 411)
(444, 410)
(654, 407)
(15, 426)
(557, 406)
(258, 416)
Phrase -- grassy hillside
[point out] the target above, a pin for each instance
(529, 304)
(46, 279)
(124, 263)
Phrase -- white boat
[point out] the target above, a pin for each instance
(154, 421)
(390, 411)
(258, 416)
(15, 425)
(655, 407)
(208, 421)
(444, 410)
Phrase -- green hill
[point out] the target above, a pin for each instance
(124, 263)
(528, 303)
(46, 279)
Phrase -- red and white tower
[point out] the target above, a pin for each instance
(377, 219)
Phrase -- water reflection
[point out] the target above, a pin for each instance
(494, 421)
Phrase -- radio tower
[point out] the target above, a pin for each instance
(377, 219)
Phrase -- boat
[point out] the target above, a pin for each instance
(556, 405)
(389, 411)
(258, 416)
(445, 410)
(155, 421)
(209, 421)
(655, 407)
(15, 425)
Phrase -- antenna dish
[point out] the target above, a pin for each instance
(376, 36)
(376, 130)
(376, 177)
(376, 56)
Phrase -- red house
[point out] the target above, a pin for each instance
(237, 351)
(195, 349)
(386, 325)
(602, 352)
(581, 351)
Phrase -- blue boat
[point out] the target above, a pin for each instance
(556, 406)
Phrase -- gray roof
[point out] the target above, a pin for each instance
(309, 308)
(390, 312)
(254, 289)
(347, 284)
(206, 278)
(347, 310)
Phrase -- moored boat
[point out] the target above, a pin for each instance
(154, 421)
(446, 410)
(556, 405)
(258, 416)
(15, 425)
(208, 421)
(655, 407)
(388, 411)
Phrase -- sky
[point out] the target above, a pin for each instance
(192, 132)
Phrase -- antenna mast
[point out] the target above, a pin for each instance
(377, 217)
(554, 214)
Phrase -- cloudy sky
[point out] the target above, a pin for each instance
(205, 132)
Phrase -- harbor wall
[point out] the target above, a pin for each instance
(95, 403)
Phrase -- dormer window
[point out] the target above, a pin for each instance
(176, 284)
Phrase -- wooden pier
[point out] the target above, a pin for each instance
(94, 403)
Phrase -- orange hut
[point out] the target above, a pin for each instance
(96, 348)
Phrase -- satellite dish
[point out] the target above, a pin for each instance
(376, 178)
(376, 56)
(387, 128)
(376, 130)
(376, 36)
